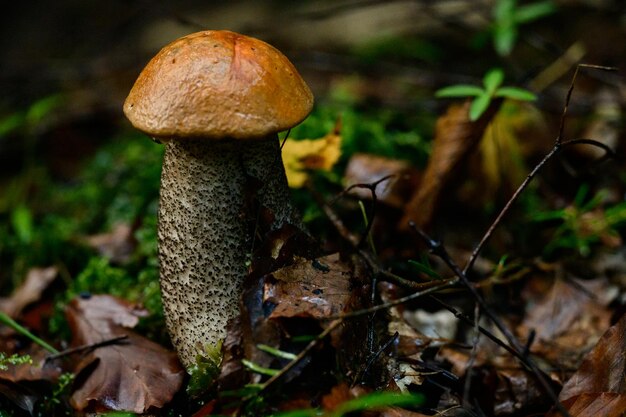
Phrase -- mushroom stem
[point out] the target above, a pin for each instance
(262, 160)
(201, 241)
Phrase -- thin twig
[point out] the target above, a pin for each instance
(558, 146)
(440, 251)
(88, 347)
(376, 355)
(332, 326)
(479, 247)
(354, 241)
(459, 315)
(472, 359)
(372, 188)
(570, 90)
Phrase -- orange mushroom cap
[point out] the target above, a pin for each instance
(218, 84)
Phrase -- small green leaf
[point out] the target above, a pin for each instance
(425, 268)
(277, 352)
(42, 108)
(478, 106)
(504, 39)
(492, 80)
(9, 322)
(534, 11)
(259, 369)
(503, 10)
(22, 222)
(377, 400)
(460, 90)
(515, 94)
(10, 123)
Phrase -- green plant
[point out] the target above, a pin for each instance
(584, 223)
(33, 116)
(373, 401)
(8, 321)
(14, 359)
(492, 88)
(508, 15)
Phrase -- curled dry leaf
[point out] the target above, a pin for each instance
(455, 138)
(137, 376)
(36, 282)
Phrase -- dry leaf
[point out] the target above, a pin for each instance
(300, 156)
(569, 319)
(27, 384)
(137, 375)
(117, 245)
(606, 120)
(455, 138)
(603, 370)
(594, 405)
(502, 150)
(318, 289)
(36, 282)
(368, 169)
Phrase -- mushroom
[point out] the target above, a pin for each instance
(216, 99)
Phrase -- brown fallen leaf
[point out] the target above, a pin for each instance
(117, 245)
(568, 320)
(368, 169)
(298, 299)
(27, 384)
(135, 376)
(36, 282)
(316, 289)
(595, 404)
(498, 382)
(603, 369)
(232, 372)
(455, 138)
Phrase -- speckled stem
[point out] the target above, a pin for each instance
(201, 242)
(262, 159)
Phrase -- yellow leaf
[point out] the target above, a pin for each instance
(501, 146)
(305, 155)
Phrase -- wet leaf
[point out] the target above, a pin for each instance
(135, 376)
(300, 156)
